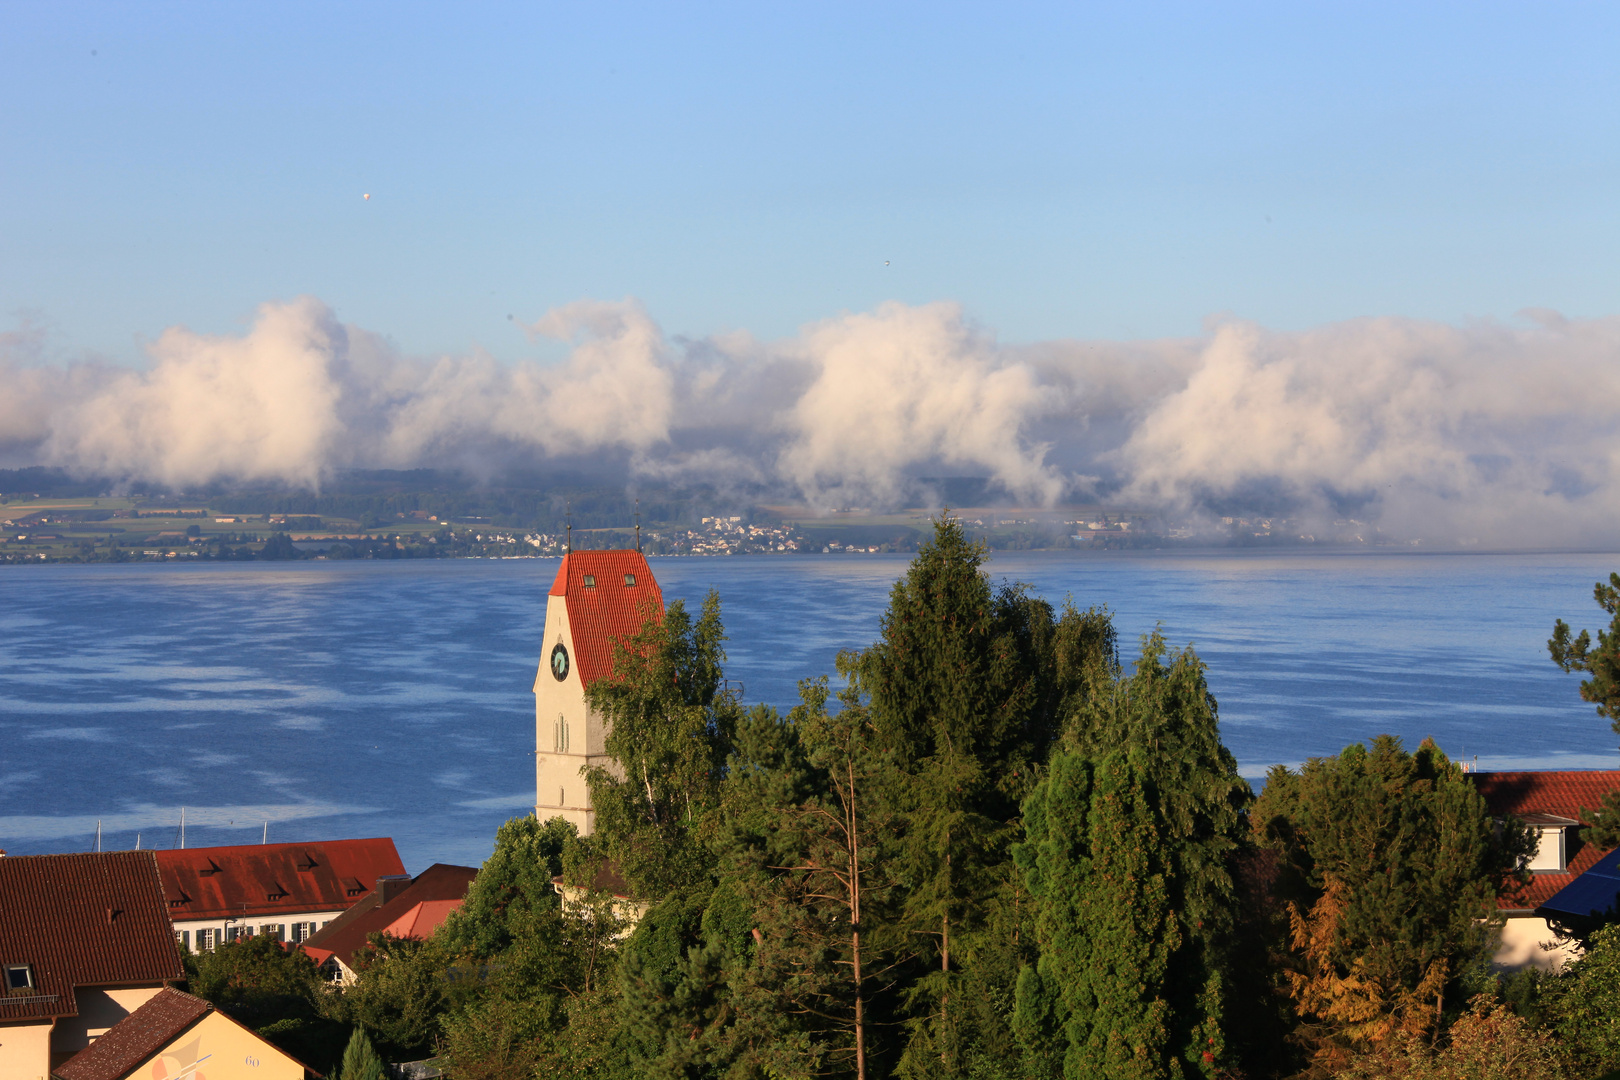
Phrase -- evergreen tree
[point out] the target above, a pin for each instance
(1602, 689)
(1131, 839)
(672, 721)
(1392, 864)
(360, 1060)
(965, 690)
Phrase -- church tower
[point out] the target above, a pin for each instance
(597, 596)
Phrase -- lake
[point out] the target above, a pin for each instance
(329, 699)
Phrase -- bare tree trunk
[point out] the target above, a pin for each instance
(855, 925)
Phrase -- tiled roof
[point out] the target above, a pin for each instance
(260, 880)
(345, 934)
(83, 920)
(421, 920)
(1532, 795)
(609, 609)
(135, 1038)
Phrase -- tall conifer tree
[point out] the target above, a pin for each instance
(1131, 841)
(965, 690)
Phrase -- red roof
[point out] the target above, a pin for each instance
(83, 920)
(382, 910)
(610, 608)
(136, 1037)
(420, 921)
(1536, 797)
(259, 880)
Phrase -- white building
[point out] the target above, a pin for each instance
(285, 891)
(597, 597)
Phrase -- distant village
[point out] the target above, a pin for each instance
(143, 529)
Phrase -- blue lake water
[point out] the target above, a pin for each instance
(335, 699)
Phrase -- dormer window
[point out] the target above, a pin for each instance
(1554, 842)
(19, 979)
(629, 581)
(590, 581)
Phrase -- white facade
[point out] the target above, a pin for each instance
(201, 935)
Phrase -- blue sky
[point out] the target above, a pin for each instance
(1121, 171)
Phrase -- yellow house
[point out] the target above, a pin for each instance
(175, 1036)
(85, 940)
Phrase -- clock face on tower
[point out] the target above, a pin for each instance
(559, 662)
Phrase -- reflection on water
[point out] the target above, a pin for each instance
(361, 699)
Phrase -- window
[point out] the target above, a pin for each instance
(300, 931)
(19, 978)
(629, 580)
(273, 931)
(559, 734)
(182, 938)
(207, 938)
(1550, 857)
(590, 581)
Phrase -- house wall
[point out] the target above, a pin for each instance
(25, 1050)
(1522, 939)
(250, 923)
(100, 1007)
(560, 790)
(227, 1051)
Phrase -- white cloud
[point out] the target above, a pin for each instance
(1502, 433)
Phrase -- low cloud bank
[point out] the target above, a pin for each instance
(1493, 433)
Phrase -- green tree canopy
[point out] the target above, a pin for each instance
(1130, 842)
(1602, 663)
(360, 1060)
(965, 692)
(1393, 864)
(672, 722)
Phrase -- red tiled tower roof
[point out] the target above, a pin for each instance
(269, 879)
(135, 1038)
(83, 920)
(1532, 795)
(612, 607)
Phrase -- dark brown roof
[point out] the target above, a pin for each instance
(83, 920)
(347, 933)
(1537, 798)
(135, 1038)
(264, 880)
(606, 610)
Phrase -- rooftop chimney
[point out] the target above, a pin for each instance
(391, 886)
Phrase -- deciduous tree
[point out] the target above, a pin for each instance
(672, 721)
